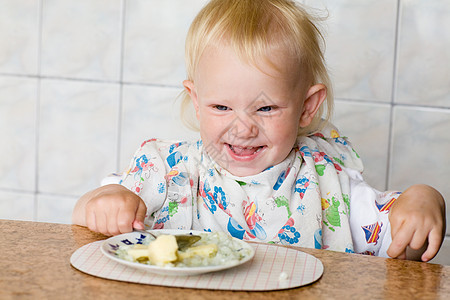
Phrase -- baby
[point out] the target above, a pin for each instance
(269, 166)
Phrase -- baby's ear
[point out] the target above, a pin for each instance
(190, 89)
(313, 100)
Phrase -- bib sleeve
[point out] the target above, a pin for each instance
(369, 216)
(146, 175)
(163, 174)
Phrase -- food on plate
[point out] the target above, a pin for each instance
(202, 250)
(213, 249)
(159, 252)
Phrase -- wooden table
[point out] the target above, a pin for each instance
(34, 264)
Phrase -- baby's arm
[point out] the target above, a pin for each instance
(417, 220)
(111, 209)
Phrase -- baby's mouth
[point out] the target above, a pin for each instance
(244, 151)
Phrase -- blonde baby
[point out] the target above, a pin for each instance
(269, 166)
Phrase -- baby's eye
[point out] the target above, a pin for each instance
(265, 108)
(221, 107)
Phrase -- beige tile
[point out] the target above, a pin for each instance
(18, 98)
(423, 62)
(367, 126)
(81, 39)
(78, 135)
(16, 206)
(360, 46)
(420, 150)
(19, 26)
(155, 32)
(150, 112)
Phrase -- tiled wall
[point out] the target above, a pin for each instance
(83, 82)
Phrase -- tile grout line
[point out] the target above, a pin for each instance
(38, 106)
(31, 192)
(120, 104)
(393, 95)
(62, 78)
(390, 104)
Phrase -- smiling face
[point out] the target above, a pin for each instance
(249, 117)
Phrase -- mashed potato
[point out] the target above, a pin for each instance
(213, 249)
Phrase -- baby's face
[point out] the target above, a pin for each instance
(249, 119)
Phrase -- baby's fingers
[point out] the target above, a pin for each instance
(138, 222)
(90, 221)
(434, 243)
(99, 218)
(96, 221)
(400, 240)
(112, 226)
(125, 218)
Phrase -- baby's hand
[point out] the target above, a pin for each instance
(113, 209)
(417, 220)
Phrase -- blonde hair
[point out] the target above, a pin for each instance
(254, 28)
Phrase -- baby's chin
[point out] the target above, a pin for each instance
(241, 171)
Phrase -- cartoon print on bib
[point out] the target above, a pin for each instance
(372, 232)
(143, 167)
(386, 206)
(208, 198)
(288, 234)
(332, 214)
(252, 218)
(235, 229)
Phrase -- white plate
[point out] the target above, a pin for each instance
(110, 246)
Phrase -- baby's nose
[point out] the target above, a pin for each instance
(244, 128)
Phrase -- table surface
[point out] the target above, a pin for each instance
(34, 264)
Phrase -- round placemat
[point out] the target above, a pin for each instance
(273, 268)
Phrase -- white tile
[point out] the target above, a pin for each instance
(421, 147)
(16, 206)
(55, 209)
(18, 98)
(150, 112)
(78, 135)
(423, 62)
(81, 39)
(155, 32)
(367, 127)
(360, 39)
(19, 36)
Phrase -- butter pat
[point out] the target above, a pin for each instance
(202, 250)
(163, 250)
